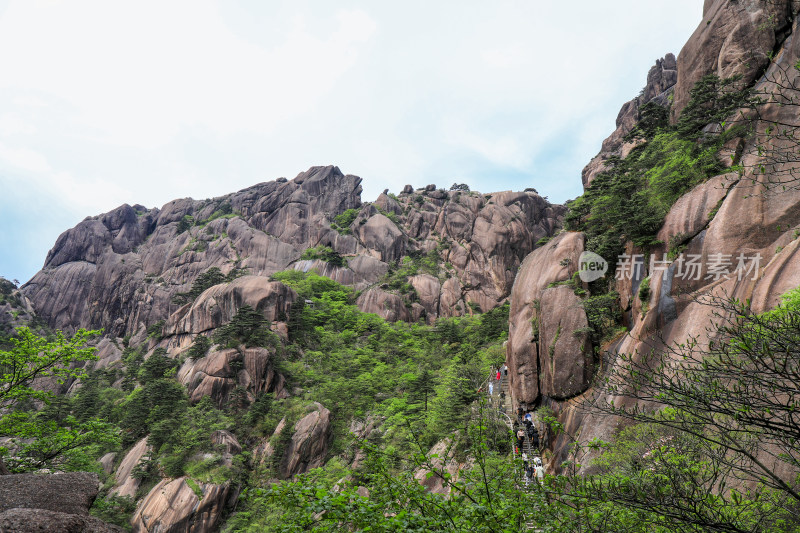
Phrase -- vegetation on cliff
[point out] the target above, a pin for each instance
(716, 458)
(628, 202)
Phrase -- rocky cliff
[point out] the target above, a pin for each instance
(157, 281)
(122, 270)
(735, 215)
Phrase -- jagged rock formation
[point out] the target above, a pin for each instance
(306, 448)
(735, 38)
(309, 444)
(50, 502)
(219, 372)
(15, 308)
(729, 214)
(661, 81)
(120, 271)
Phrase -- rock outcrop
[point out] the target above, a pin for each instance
(744, 223)
(50, 502)
(221, 371)
(217, 305)
(38, 520)
(734, 39)
(15, 308)
(661, 81)
(181, 506)
(444, 462)
(548, 351)
(126, 484)
(309, 445)
(121, 271)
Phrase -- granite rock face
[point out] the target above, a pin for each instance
(734, 39)
(661, 81)
(50, 502)
(306, 449)
(21, 520)
(126, 484)
(69, 493)
(748, 215)
(121, 271)
(218, 373)
(544, 354)
(309, 444)
(174, 506)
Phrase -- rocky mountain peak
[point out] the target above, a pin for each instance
(122, 270)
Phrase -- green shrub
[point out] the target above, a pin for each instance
(345, 219)
(209, 278)
(604, 314)
(248, 327)
(324, 253)
(628, 201)
(113, 509)
(186, 222)
(644, 290)
(199, 348)
(154, 331)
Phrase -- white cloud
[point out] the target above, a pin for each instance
(25, 159)
(109, 102)
(137, 73)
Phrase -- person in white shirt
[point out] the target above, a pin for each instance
(538, 470)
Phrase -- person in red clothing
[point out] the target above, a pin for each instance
(498, 374)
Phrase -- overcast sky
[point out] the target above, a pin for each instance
(104, 103)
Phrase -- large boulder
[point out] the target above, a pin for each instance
(565, 348)
(309, 445)
(181, 506)
(39, 520)
(126, 484)
(219, 304)
(383, 236)
(538, 322)
(50, 502)
(387, 305)
(218, 373)
(69, 493)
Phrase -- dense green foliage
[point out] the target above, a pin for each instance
(340, 352)
(248, 327)
(209, 278)
(692, 466)
(341, 223)
(51, 436)
(324, 253)
(628, 201)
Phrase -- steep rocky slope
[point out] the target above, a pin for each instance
(160, 280)
(121, 271)
(731, 214)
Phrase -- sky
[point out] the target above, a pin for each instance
(104, 103)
